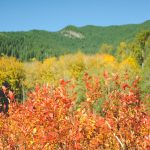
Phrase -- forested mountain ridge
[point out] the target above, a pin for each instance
(41, 44)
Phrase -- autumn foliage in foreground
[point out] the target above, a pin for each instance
(50, 118)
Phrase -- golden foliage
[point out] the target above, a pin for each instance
(129, 64)
(11, 70)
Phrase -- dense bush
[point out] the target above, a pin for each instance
(12, 71)
(49, 119)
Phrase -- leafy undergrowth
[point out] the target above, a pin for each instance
(51, 119)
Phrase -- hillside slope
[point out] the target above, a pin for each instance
(41, 44)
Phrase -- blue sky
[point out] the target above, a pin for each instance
(53, 15)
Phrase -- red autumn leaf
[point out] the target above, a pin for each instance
(78, 136)
(52, 136)
(124, 86)
(105, 74)
(100, 121)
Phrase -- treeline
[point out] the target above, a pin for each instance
(89, 39)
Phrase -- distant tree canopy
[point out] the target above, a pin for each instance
(43, 44)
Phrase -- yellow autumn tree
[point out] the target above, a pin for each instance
(108, 62)
(76, 65)
(129, 65)
(32, 72)
(49, 71)
(12, 71)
